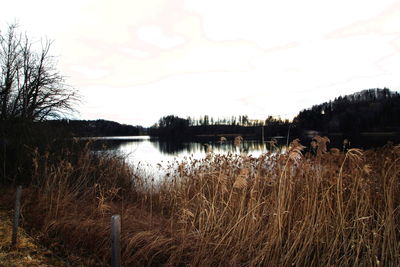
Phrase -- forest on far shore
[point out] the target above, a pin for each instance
(372, 111)
(92, 128)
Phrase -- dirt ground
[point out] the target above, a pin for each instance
(27, 251)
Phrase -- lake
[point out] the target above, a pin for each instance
(151, 154)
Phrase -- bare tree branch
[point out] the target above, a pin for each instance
(31, 88)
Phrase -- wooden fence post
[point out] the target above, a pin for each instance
(116, 241)
(16, 216)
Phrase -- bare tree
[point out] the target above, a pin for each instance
(31, 88)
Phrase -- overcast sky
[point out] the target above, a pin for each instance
(134, 61)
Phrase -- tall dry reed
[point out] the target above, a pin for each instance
(288, 209)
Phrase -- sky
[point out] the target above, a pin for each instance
(134, 61)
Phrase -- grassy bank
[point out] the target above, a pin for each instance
(276, 210)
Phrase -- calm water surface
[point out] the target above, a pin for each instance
(153, 155)
(150, 154)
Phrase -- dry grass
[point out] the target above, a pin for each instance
(334, 209)
(26, 252)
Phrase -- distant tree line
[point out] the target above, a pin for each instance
(242, 120)
(172, 126)
(372, 110)
(91, 128)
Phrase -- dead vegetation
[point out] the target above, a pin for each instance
(26, 252)
(334, 209)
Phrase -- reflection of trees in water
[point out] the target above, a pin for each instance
(111, 144)
(168, 147)
(246, 147)
(171, 147)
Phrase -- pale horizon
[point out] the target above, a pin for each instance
(136, 61)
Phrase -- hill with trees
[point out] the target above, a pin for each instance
(91, 128)
(372, 110)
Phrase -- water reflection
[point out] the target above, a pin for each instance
(174, 148)
(168, 148)
(153, 155)
(146, 149)
(146, 153)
